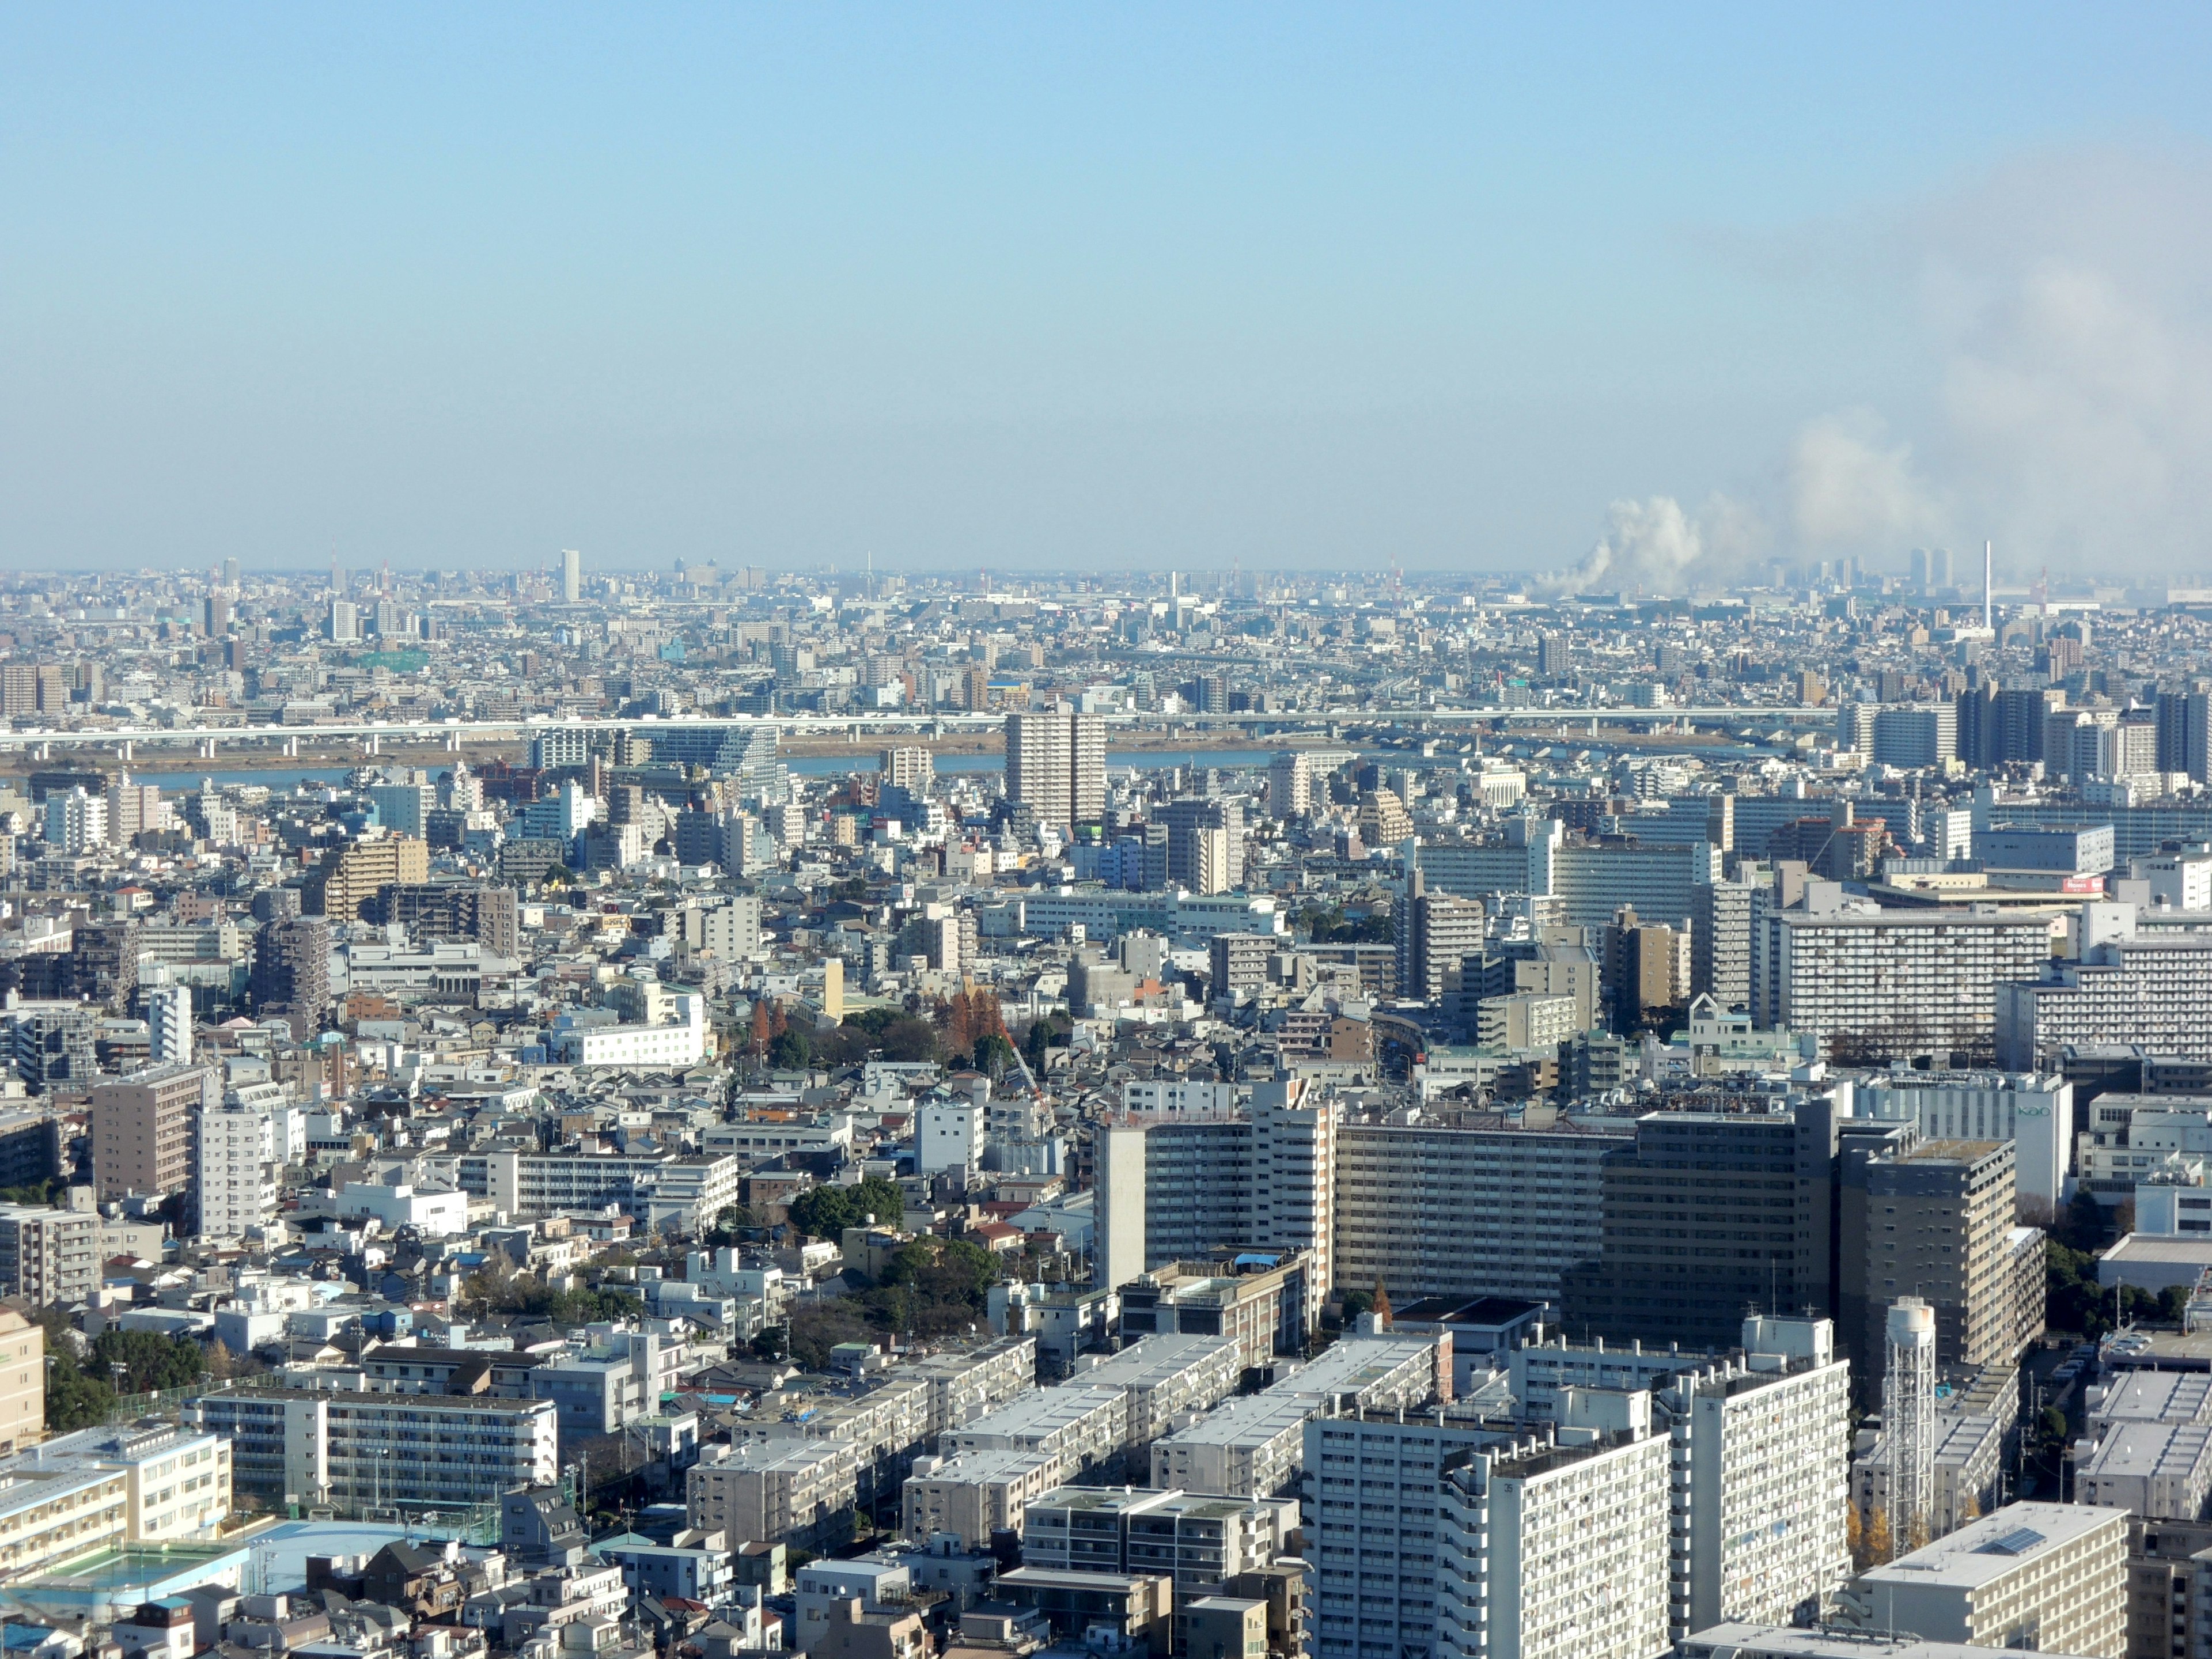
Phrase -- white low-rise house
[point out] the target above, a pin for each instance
(673, 1047)
(402, 1204)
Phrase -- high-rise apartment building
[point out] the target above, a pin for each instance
(1437, 1536)
(349, 876)
(46, 1256)
(1289, 784)
(1762, 1468)
(572, 575)
(1877, 984)
(169, 1025)
(1056, 765)
(1647, 969)
(142, 1129)
(909, 767)
(235, 1188)
(291, 972)
(1191, 1189)
(1205, 844)
(76, 821)
(133, 809)
(1436, 932)
(2151, 992)
(1720, 943)
(1707, 1217)
(451, 910)
(1933, 1218)
(1466, 1205)
(2183, 725)
(1761, 1436)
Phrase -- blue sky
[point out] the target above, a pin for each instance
(1075, 288)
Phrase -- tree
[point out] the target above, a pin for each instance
(1879, 1547)
(788, 1050)
(1042, 1034)
(763, 1029)
(821, 1326)
(994, 1055)
(149, 1362)
(772, 1344)
(907, 1041)
(826, 1211)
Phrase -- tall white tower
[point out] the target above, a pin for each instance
(1989, 589)
(169, 1022)
(1908, 1421)
(572, 574)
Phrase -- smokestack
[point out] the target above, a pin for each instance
(1988, 608)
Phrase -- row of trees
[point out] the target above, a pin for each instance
(83, 1394)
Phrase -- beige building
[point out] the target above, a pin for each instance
(22, 1382)
(350, 875)
(48, 1256)
(142, 1129)
(1527, 1021)
(973, 1495)
(2053, 1576)
(776, 1491)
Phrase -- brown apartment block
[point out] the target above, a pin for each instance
(349, 876)
(1933, 1218)
(142, 1129)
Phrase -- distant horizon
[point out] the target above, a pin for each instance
(2007, 577)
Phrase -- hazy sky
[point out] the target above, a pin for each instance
(1076, 287)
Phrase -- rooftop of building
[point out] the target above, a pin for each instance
(1786, 1642)
(2150, 1450)
(1997, 1545)
(1153, 1360)
(1485, 1311)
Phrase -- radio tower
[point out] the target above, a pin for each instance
(1908, 1421)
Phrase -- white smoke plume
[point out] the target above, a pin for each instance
(1654, 546)
(2062, 307)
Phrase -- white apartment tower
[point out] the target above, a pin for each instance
(134, 808)
(1289, 784)
(77, 822)
(1056, 765)
(1761, 1472)
(1178, 1189)
(236, 1190)
(909, 767)
(572, 574)
(169, 1022)
(1555, 1551)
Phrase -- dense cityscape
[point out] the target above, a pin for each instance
(713, 1112)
